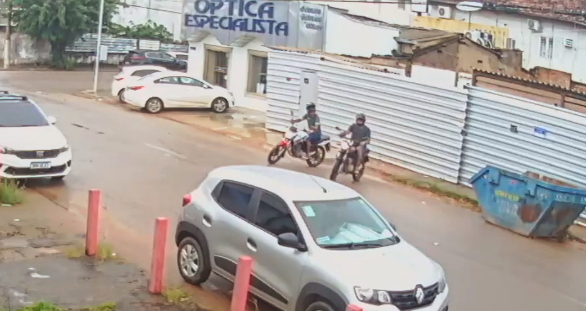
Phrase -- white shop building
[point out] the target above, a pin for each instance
(229, 40)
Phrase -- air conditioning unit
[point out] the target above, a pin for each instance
(569, 43)
(534, 25)
(445, 12)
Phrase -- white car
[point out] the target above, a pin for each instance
(171, 89)
(130, 74)
(31, 146)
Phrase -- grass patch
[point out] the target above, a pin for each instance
(11, 192)
(105, 252)
(176, 295)
(109, 306)
(47, 306)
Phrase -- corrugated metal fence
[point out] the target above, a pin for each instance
(414, 126)
(439, 132)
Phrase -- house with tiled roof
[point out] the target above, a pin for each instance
(551, 33)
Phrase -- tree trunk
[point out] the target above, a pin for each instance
(58, 54)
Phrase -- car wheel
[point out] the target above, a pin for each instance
(220, 105)
(154, 105)
(121, 95)
(194, 264)
(320, 306)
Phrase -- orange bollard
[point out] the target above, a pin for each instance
(158, 279)
(241, 284)
(353, 308)
(92, 236)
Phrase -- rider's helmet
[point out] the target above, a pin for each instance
(310, 107)
(361, 116)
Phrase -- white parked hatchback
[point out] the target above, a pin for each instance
(30, 144)
(317, 245)
(129, 75)
(171, 89)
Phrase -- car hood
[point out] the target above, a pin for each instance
(398, 267)
(32, 138)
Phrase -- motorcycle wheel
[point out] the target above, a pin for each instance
(335, 170)
(356, 176)
(317, 158)
(276, 154)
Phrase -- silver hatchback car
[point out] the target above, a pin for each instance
(317, 245)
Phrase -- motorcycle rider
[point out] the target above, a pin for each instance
(314, 127)
(360, 137)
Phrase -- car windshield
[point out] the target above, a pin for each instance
(346, 224)
(21, 114)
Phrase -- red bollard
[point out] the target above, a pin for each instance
(159, 259)
(92, 236)
(353, 308)
(241, 284)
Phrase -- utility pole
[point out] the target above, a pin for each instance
(99, 46)
(7, 41)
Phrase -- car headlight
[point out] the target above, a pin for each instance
(64, 149)
(6, 150)
(441, 285)
(368, 295)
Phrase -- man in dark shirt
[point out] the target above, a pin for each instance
(360, 136)
(313, 123)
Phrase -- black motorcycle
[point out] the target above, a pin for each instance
(346, 160)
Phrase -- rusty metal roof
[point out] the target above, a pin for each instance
(532, 81)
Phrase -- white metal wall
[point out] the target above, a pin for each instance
(414, 126)
(283, 85)
(490, 138)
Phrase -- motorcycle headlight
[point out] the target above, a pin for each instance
(64, 149)
(344, 145)
(441, 285)
(368, 295)
(6, 150)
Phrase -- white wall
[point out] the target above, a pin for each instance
(237, 70)
(386, 12)
(137, 13)
(347, 37)
(571, 60)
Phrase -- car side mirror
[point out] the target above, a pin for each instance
(205, 86)
(290, 240)
(52, 120)
(393, 226)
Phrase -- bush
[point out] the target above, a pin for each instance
(11, 192)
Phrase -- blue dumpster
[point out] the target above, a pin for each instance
(528, 204)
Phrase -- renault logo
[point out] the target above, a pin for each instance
(40, 154)
(419, 294)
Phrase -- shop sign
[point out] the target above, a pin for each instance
(250, 16)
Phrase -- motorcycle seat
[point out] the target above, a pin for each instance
(324, 138)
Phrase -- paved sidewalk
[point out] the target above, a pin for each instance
(41, 260)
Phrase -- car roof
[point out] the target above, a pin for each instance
(143, 67)
(289, 185)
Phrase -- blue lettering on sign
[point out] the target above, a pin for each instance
(245, 16)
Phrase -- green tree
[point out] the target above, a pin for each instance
(148, 31)
(60, 21)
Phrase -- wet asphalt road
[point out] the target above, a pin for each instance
(145, 165)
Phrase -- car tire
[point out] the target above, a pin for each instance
(320, 306)
(121, 95)
(220, 105)
(193, 248)
(154, 105)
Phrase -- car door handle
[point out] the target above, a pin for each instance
(207, 220)
(251, 244)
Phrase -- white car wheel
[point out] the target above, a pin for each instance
(220, 105)
(154, 105)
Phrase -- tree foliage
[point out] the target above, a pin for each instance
(148, 31)
(60, 21)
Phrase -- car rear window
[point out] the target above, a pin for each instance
(142, 73)
(21, 114)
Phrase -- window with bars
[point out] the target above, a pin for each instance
(546, 47)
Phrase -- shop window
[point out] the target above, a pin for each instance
(216, 67)
(257, 74)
